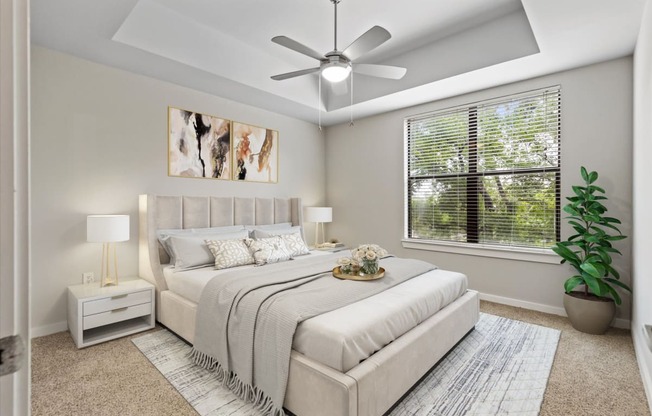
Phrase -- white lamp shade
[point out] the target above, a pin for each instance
(318, 214)
(107, 228)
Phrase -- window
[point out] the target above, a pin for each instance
(486, 173)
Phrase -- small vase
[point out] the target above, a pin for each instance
(370, 266)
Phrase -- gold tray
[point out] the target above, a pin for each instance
(361, 277)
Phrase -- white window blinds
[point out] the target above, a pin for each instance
(486, 173)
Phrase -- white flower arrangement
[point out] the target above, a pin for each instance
(364, 259)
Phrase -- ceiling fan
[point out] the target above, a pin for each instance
(335, 66)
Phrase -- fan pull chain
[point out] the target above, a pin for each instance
(351, 106)
(319, 102)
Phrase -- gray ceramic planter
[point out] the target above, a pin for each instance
(590, 316)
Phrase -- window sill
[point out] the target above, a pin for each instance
(484, 250)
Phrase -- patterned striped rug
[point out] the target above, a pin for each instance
(500, 368)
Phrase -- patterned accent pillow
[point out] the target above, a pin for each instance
(292, 240)
(268, 250)
(230, 253)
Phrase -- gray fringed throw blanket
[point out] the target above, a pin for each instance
(246, 319)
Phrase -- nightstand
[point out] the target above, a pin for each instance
(97, 314)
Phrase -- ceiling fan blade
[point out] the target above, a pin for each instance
(369, 40)
(297, 47)
(381, 71)
(281, 77)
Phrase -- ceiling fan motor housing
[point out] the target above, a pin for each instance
(336, 67)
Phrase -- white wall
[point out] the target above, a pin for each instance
(365, 178)
(99, 139)
(642, 247)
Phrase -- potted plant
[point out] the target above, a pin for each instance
(589, 251)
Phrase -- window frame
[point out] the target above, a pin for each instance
(516, 252)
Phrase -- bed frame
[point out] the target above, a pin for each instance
(370, 388)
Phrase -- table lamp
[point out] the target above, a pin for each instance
(318, 215)
(108, 229)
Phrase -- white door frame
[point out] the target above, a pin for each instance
(14, 196)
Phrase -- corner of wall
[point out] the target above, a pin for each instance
(642, 352)
(641, 277)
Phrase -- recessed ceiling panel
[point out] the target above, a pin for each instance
(499, 40)
(163, 31)
(194, 35)
(449, 47)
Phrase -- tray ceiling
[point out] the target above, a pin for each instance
(448, 47)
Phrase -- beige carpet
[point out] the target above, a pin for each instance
(591, 375)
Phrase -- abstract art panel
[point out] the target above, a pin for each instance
(199, 145)
(255, 153)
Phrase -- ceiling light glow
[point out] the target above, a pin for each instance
(336, 71)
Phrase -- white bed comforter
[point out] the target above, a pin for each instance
(344, 337)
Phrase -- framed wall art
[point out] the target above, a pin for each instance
(255, 153)
(199, 145)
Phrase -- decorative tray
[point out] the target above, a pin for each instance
(360, 277)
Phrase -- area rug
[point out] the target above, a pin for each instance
(500, 368)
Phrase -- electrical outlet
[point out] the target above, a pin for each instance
(88, 277)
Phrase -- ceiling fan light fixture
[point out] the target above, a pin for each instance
(336, 71)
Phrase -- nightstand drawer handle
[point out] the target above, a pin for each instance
(120, 309)
(120, 296)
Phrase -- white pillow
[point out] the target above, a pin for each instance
(268, 250)
(267, 227)
(291, 237)
(190, 251)
(265, 233)
(230, 253)
(165, 234)
(163, 237)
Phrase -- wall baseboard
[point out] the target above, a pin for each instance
(554, 310)
(641, 348)
(41, 331)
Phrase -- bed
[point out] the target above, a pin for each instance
(330, 371)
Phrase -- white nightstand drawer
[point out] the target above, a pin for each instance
(93, 307)
(117, 315)
(98, 314)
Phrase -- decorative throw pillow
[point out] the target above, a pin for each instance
(293, 241)
(268, 250)
(230, 253)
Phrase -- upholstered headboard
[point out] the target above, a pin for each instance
(177, 212)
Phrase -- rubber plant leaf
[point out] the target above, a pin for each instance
(572, 283)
